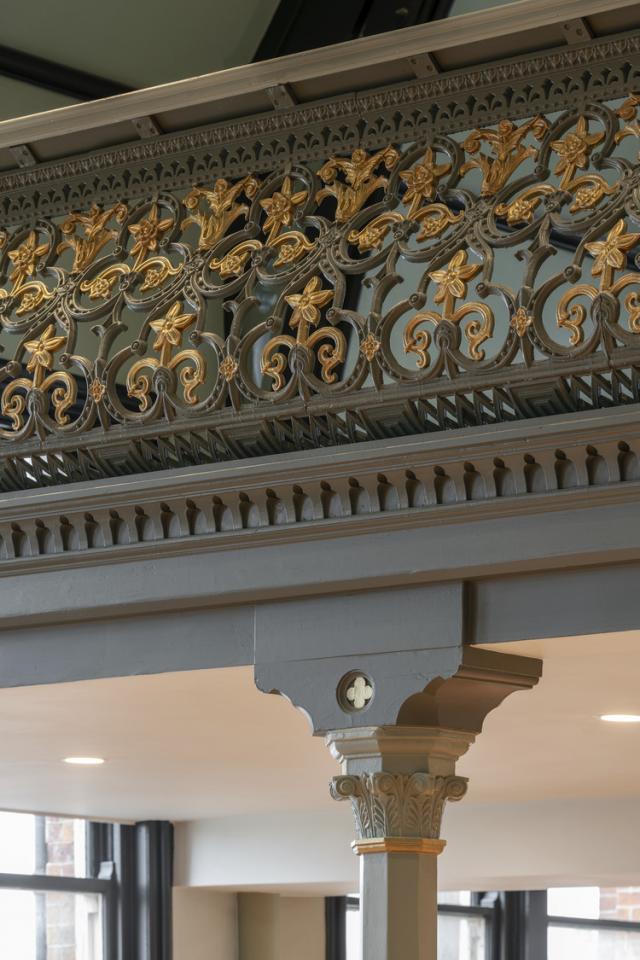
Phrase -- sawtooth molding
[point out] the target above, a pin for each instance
(563, 463)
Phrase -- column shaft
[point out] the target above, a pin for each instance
(399, 897)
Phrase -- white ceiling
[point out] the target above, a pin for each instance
(207, 744)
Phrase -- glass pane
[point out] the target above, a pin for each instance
(51, 845)
(456, 898)
(461, 938)
(50, 926)
(595, 903)
(354, 945)
(583, 902)
(566, 942)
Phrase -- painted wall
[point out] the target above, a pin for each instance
(271, 927)
(216, 925)
(205, 925)
(520, 845)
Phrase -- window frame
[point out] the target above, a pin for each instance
(104, 884)
(482, 905)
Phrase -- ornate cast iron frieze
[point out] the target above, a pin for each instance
(436, 280)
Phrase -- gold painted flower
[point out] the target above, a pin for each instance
(100, 288)
(232, 264)
(521, 321)
(169, 328)
(152, 277)
(520, 211)
(97, 390)
(280, 208)
(574, 149)
(306, 305)
(228, 368)
(147, 233)
(422, 181)
(611, 253)
(370, 346)
(30, 300)
(43, 349)
(24, 257)
(452, 281)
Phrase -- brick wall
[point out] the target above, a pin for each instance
(621, 903)
(60, 907)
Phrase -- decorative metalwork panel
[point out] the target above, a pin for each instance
(465, 278)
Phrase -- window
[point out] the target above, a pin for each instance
(594, 923)
(465, 927)
(49, 908)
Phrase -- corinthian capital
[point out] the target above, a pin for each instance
(398, 804)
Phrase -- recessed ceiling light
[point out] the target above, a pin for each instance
(621, 717)
(84, 761)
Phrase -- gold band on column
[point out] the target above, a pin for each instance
(399, 845)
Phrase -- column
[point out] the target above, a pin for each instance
(399, 779)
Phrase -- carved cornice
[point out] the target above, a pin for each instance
(398, 805)
(565, 463)
(140, 169)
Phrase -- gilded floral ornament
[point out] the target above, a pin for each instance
(292, 247)
(228, 368)
(371, 236)
(94, 233)
(609, 256)
(97, 390)
(168, 330)
(223, 206)
(24, 258)
(233, 264)
(422, 181)
(147, 234)
(522, 209)
(242, 248)
(329, 343)
(306, 305)
(360, 179)
(521, 321)
(101, 286)
(41, 352)
(507, 151)
(574, 150)
(629, 112)
(281, 207)
(451, 285)
(370, 346)
(452, 281)
(434, 220)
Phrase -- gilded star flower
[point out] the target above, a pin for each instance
(521, 321)
(280, 208)
(228, 368)
(147, 233)
(97, 390)
(24, 257)
(452, 281)
(370, 346)
(169, 329)
(610, 254)
(574, 150)
(422, 181)
(306, 304)
(43, 349)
